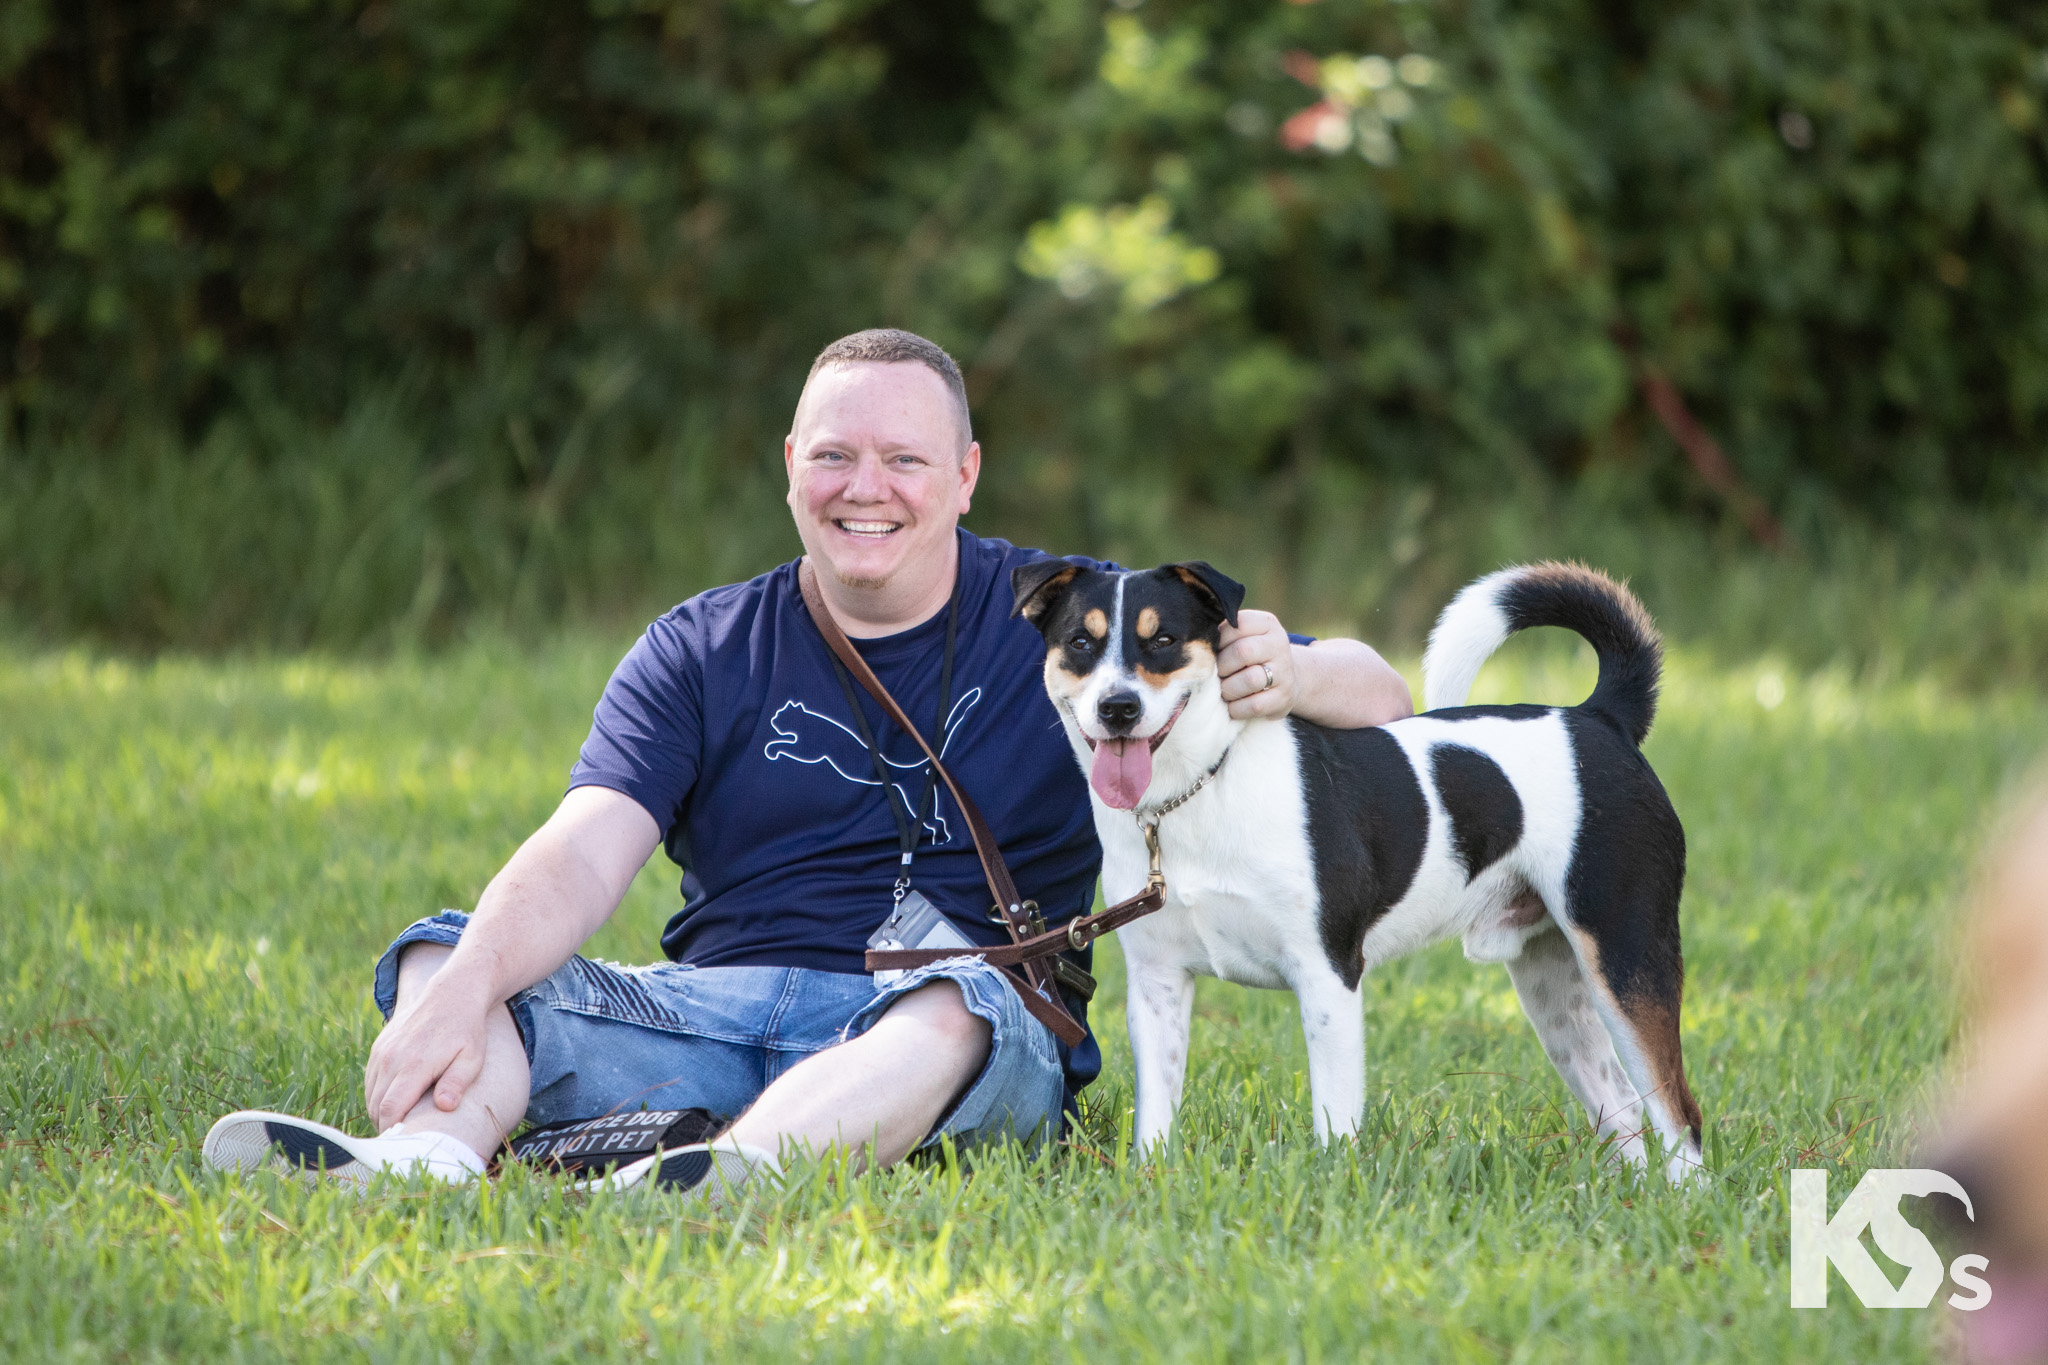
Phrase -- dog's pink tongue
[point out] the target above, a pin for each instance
(1122, 771)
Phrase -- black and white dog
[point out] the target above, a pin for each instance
(1298, 856)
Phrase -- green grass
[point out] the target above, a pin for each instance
(200, 860)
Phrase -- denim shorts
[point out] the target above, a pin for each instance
(602, 1038)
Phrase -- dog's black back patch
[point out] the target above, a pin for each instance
(1367, 826)
(1486, 815)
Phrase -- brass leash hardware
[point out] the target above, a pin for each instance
(1026, 916)
(1154, 878)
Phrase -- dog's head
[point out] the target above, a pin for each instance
(1126, 655)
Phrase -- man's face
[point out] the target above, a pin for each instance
(877, 475)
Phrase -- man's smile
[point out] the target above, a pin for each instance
(867, 530)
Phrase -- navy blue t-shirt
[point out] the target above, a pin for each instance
(727, 723)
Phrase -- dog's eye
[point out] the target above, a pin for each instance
(1082, 642)
(1161, 640)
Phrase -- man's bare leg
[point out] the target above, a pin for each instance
(884, 1089)
(496, 1100)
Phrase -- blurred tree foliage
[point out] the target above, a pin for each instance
(318, 315)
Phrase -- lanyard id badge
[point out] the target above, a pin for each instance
(915, 923)
(912, 921)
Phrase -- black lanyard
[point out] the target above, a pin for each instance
(906, 824)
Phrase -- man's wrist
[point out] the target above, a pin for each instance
(1305, 679)
(466, 980)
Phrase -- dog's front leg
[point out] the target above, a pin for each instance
(1161, 1001)
(1334, 1024)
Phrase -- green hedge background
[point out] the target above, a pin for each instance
(334, 323)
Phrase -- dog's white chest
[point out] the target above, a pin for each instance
(1240, 880)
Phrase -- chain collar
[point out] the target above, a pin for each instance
(1155, 878)
(1167, 808)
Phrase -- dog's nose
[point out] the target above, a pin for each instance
(1119, 710)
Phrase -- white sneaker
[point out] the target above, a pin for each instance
(717, 1172)
(255, 1139)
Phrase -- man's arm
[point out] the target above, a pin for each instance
(1340, 683)
(554, 893)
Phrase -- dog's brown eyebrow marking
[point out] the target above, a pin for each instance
(1097, 622)
(1148, 623)
(1194, 652)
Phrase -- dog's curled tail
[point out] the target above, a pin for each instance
(1580, 599)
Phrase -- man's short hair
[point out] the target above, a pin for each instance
(893, 346)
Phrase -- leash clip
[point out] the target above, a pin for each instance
(1155, 878)
(1025, 915)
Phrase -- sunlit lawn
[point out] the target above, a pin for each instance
(199, 861)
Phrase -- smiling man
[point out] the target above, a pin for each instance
(730, 736)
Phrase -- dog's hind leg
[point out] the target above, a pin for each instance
(1618, 906)
(1333, 1023)
(1157, 1011)
(1635, 981)
(1567, 1020)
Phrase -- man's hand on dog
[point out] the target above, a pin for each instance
(1257, 642)
(1334, 682)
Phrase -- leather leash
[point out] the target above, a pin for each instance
(1031, 963)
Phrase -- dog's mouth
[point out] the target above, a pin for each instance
(1123, 767)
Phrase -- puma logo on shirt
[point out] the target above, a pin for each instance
(812, 737)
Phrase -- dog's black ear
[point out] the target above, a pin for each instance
(1039, 584)
(1225, 594)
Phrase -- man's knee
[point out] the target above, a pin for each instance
(940, 1011)
(417, 963)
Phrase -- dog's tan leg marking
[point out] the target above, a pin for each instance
(1656, 1026)
(1567, 1022)
(1645, 1034)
